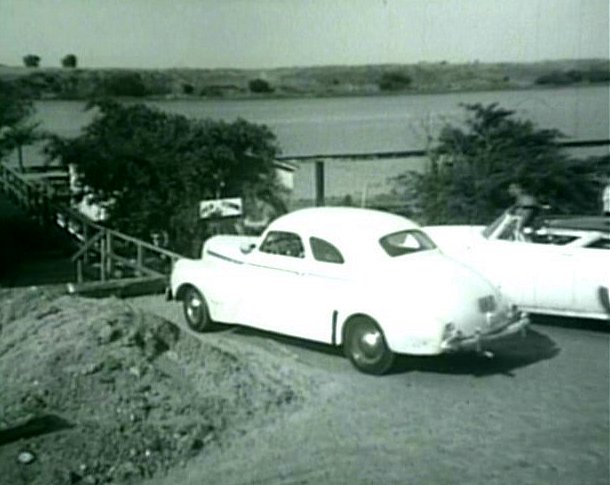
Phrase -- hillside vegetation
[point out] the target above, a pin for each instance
(73, 83)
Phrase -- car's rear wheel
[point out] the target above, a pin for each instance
(365, 346)
(196, 311)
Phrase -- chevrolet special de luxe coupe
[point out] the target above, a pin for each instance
(370, 281)
(560, 266)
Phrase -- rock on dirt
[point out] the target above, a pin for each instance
(101, 392)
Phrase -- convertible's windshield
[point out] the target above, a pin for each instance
(489, 230)
(406, 242)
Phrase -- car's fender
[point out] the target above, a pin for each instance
(413, 329)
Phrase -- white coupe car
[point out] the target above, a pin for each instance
(561, 267)
(370, 281)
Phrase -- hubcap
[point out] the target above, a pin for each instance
(193, 308)
(369, 345)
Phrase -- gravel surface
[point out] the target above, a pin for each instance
(100, 391)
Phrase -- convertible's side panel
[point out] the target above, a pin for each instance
(554, 276)
(592, 268)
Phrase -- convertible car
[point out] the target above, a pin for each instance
(561, 266)
(370, 281)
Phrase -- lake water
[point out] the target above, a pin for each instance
(327, 126)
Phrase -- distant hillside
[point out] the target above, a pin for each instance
(70, 83)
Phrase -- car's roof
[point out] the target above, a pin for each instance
(346, 217)
(340, 220)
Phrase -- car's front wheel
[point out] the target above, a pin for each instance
(365, 346)
(196, 311)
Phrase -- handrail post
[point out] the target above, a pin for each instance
(47, 205)
(79, 270)
(139, 259)
(85, 240)
(103, 259)
(109, 255)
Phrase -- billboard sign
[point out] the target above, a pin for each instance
(219, 208)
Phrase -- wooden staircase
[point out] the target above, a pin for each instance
(43, 240)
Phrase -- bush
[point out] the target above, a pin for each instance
(128, 84)
(598, 75)
(260, 86)
(561, 78)
(394, 81)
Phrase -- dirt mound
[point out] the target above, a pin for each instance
(95, 391)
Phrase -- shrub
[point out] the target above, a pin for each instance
(260, 86)
(394, 81)
(128, 84)
(561, 78)
(598, 75)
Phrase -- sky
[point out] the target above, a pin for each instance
(284, 33)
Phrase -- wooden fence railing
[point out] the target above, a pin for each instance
(321, 159)
(102, 253)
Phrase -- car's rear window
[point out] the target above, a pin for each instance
(406, 242)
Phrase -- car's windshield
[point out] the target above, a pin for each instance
(406, 242)
(489, 230)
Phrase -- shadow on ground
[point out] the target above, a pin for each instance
(34, 427)
(506, 356)
(570, 322)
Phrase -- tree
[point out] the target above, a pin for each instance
(69, 61)
(15, 109)
(471, 166)
(31, 60)
(19, 135)
(151, 169)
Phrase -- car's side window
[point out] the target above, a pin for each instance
(324, 251)
(284, 244)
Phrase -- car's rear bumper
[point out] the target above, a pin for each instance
(477, 341)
